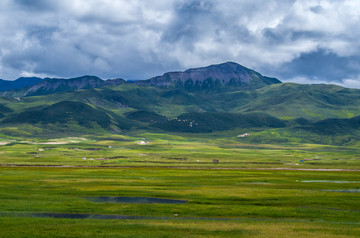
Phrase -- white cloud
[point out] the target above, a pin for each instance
(351, 83)
(306, 80)
(139, 39)
(32, 74)
(347, 83)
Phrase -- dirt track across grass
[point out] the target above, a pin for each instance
(173, 167)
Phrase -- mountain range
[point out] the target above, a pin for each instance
(222, 76)
(56, 85)
(228, 74)
(227, 98)
(18, 83)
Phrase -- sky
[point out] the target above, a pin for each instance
(303, 41)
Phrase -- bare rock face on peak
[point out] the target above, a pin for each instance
(53, 85)
(115, 82)
(224, 75)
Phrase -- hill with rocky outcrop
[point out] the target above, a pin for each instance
(235, 100)
(218, 76)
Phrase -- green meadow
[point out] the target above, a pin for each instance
(72, 187)
(166, 150)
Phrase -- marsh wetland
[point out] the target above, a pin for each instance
(171, 187)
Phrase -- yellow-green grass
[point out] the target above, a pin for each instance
(253, 203)
(226, 202)
(175, 150)
(40, 227)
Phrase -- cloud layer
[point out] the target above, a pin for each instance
(313, 40)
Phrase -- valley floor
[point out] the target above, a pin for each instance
(177, 187)
(174, 167)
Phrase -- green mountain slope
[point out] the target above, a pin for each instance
(290, 101)
(335, 126)
(217, 121)
(153, 107)
(280, 112)
(62, 113)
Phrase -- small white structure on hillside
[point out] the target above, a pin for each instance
(143, 142)
(244, 135)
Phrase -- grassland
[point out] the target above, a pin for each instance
(149, 149)
(229, 198)
(225, 203)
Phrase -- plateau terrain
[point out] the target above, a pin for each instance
(217, 151)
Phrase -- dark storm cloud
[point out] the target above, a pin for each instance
(301, 41)
(322, 65)
(188, 21)
(36, 5)
(282, 36)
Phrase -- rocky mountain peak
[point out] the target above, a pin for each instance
(228, 74)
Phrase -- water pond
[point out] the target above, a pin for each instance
(342, 190)
(328, 181)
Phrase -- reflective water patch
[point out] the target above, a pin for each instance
(342, 190)
(106, 216)
(328, 181)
